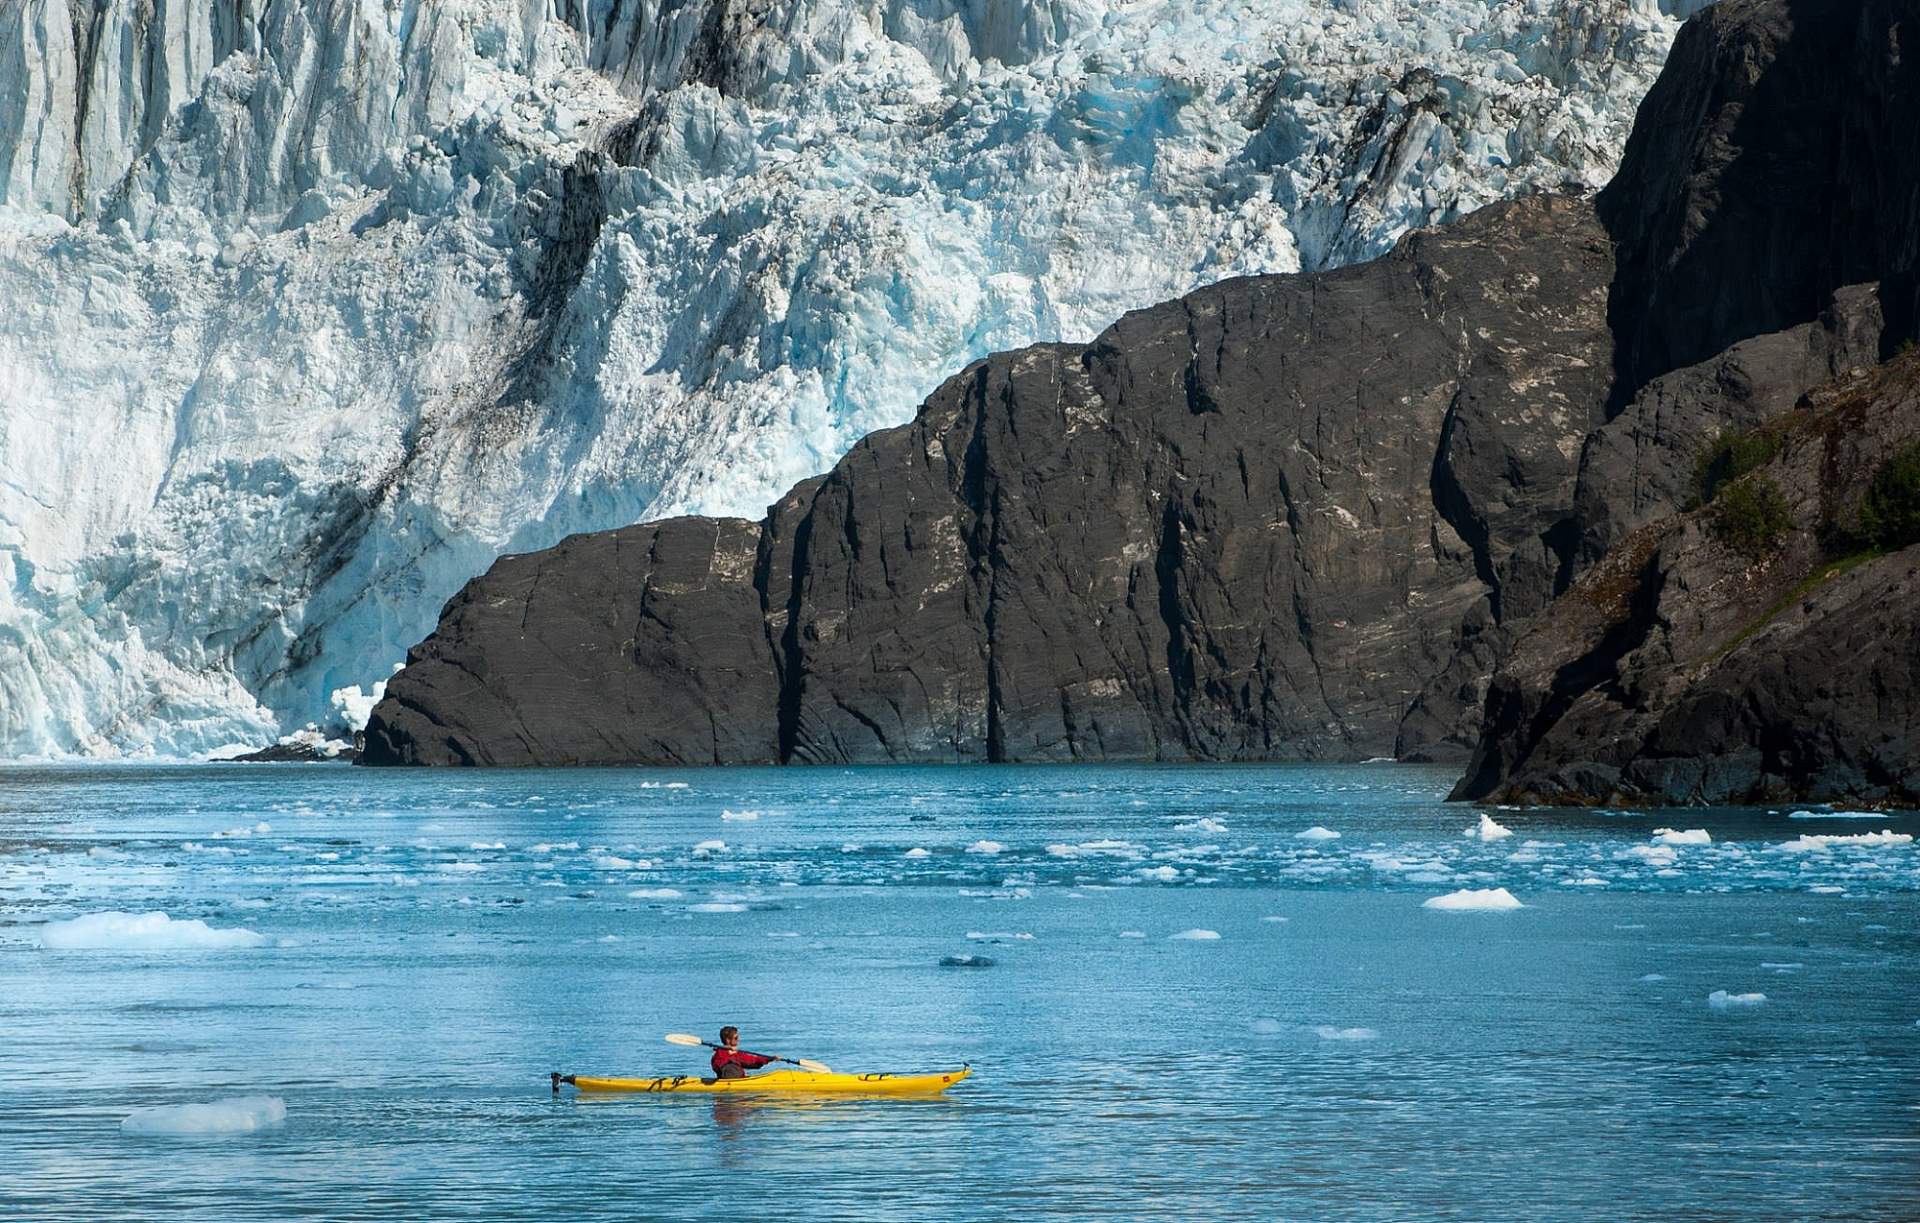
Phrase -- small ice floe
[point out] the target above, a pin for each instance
(1812, 843)
(1488, 830)
(966, 961)
(1838, 815)
(739, 815)
(1276, 918)
(1133, 934)
(549, 847)
(488, 845)
(1196, 935)
(1586, 881)
(1265, 1027)
(1675, 836)
(1474, 900)
(461, 868)
(1827, 889)
(245, 830)
(1064, 851)
(710, 847)
(717, 906)
(1328, 1032)
(985, 847)
(610, 862)
(115, 931)
(1781, 966)
(1317, 833)
(232, 1115)
(1721, 1000)
(917, 852)
(1205, 823)
(999, 936)
(654, 894)
(1164, 874)
(1651, 977)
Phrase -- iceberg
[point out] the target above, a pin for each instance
(1474, 900)
(115, 931)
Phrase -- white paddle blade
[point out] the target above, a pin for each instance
(806, 1063)
(682, 1038)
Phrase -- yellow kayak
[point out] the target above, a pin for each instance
(785, 1082)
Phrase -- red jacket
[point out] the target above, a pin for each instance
(746, 1061)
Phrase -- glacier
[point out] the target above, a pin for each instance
(310, 309)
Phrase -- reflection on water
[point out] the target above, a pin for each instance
(437, 943)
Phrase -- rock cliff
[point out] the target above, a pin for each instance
(1260, 522)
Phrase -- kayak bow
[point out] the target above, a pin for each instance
(784, 1082)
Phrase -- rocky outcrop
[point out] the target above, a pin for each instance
(1261, 522)
(1686, 669)
(1776, 160)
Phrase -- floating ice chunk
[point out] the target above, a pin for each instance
(966, 961)
(1265, 1027)
(1276, 919)
(1488, 830)
(1838, 815)
(717, 906)
(1811, 843)
(1327, 1032)
(546, 848)
(115, 931)
(1827, 889)
(1779, 966)
(985, 847)
(1317, 833)
(999, 936)
(1588, 881)
(1163, 873)
(1653, 976)
(609, 862)
(1108, 847)
(1721, 1000)
(655, 894)
(917, 852)
(739, 815)
(458, 868)
(1064, 851)
(232, 1115)
(1205, 823)
(1653, 855)
(1196, 935)
(488, 845)
(1133, 934)
(1474, 900)
(710, 847)
(1690, 836)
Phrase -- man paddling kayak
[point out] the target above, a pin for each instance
(731, 1062)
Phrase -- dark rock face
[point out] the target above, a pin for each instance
(1680, 670)
(1776, 159)
(642, 644)
(1266, 521)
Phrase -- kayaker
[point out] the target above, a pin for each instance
(729, 1062)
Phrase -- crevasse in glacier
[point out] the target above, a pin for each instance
(310, 308)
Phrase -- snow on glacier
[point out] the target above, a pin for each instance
(314, 309)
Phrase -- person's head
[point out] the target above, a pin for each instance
(730, 1036)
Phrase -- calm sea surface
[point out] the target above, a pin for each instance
(431, 944)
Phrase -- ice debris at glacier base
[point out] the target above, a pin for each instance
(286, 362)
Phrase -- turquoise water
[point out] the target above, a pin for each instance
(431, 944)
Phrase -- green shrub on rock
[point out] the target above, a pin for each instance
(1751, 516)
(1728, 457)
(1890, 511)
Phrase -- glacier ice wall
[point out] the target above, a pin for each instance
(311, 308)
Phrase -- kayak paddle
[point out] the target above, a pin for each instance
(683, 1038)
